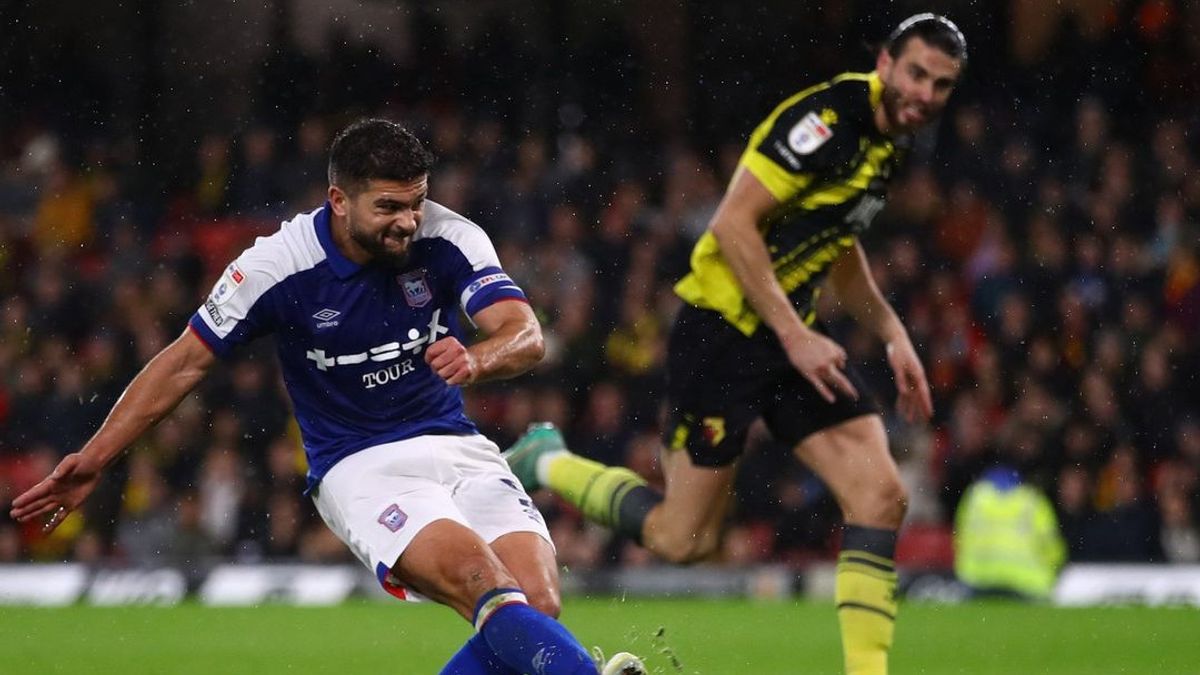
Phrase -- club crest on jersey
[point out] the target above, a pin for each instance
(713, 429)
(416, 291)
(809, 134)
(393, 518)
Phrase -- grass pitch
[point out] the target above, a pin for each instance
(675, 636)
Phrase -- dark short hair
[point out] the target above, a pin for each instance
(936, 30)
(376, 149)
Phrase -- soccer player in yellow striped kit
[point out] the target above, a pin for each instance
(747, 343)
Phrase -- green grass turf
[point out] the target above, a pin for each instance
(705, 636)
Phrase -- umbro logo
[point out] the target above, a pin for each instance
(325, 318)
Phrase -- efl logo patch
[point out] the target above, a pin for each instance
(227, 285)
(484, 281)
(393, 518)
(416, 291)
(809, 134)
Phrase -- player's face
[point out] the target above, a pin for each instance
(916, 85)
(382, 219)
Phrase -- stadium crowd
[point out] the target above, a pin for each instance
(1044, 256)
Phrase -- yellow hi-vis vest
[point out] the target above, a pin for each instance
(1007, 540)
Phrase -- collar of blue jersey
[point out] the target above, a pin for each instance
(342, 266)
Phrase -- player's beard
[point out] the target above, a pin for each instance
(891, 107)
(374, 245)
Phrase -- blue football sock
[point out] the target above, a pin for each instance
(477, 658)
(526, 639)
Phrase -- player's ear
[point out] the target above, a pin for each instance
(883, 63)
(339, 200)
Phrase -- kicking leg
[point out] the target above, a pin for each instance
(612, 496)
(531, 560)
(681, 525)
(451, 564)
(686, 526)
(853, 460)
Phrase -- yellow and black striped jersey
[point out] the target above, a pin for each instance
(821, 156)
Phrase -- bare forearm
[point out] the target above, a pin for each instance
(746, 253)
(508, 353)
(861, 298)
(873, 312)
(152, 394)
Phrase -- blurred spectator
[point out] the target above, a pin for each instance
(1180, 536)
(147, 529)
(255, 185)
(191, 549)
(10, 543)
(302, 176)
(1006, 538)
(221, 489)
(64, 223)
(603, 433)
(212, 174)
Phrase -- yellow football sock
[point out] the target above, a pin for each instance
(594, 488)
(866, 607)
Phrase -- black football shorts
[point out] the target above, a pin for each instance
(719, 381)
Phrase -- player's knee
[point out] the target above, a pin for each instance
(889, 503)
(881, 503)
(545, 600)
(683, 547)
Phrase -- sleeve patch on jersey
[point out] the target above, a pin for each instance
(809, 134)
(226, 286)
(214, 312)
(483, 282)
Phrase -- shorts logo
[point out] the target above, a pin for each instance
(416, 291)
(714, 430)
(393, 518)
(809, 134)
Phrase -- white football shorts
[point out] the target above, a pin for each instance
(378, 499)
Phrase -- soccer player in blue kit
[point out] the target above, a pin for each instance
(362, 296)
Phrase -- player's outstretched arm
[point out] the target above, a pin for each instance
(735, 226)
(152, 394)
(852, 281)
(513, 345)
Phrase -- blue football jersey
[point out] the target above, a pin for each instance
(351, 338)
